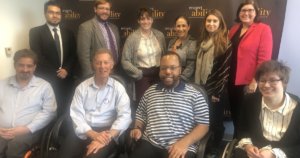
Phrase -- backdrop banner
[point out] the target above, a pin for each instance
(124, 14)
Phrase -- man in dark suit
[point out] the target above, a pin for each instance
(98, 33)
(55, 47)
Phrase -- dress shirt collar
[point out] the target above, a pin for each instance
(288, 105)
(13, 82)
(92, 82)
(178, 88)
(52, 27)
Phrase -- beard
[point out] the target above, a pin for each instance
(24, 76)
(170, 81)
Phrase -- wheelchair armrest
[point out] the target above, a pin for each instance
(202, 145)
(53, 135)
(227, 153)
(57, 127)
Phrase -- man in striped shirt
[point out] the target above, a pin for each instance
(172, 116)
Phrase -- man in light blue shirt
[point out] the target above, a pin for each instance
(100, 112)
(27, 104)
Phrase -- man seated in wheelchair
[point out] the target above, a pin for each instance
(100, 112)
(172, 116)
(27, 105)
(269, 121)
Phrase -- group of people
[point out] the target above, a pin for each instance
(153, 84)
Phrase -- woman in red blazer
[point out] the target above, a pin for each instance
(251, 45)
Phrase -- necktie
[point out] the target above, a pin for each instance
(57, 44)
(111, 43)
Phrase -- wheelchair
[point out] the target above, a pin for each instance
(130, 144)
(229, 148)
(56, 136)
(38, 150)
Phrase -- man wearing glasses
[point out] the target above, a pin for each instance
(172, 116)
(95, 34)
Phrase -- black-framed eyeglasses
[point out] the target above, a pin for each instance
(172, 68)
(271, 81)
(247, 10)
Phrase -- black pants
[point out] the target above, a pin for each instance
(239, 153)
(150, 77)
(74, 147)
(216, 117)
(146, 150)
(236, 95)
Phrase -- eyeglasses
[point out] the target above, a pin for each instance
(247, 10)
(271, 81)
(165, 68)
(103, 8)
(53, 13)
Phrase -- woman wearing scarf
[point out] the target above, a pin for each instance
(212, 70)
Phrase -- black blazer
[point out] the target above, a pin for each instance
(250, 127)
(42, 43)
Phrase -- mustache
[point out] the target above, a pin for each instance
(105, 14)
(164, 76)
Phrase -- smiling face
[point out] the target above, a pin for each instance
(182, 28)
(102, 65)
(212, 23)
(53, 15)
(271, 86)
(170, 71)
(145, 23)
(247, 14)
(102, 11)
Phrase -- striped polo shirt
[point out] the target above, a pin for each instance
(170, 114)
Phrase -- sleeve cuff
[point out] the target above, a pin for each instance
(278, 153)
(243, 142)
(81, 131)
(31, 128)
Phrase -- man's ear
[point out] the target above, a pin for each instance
(92, 66)
(34, 67)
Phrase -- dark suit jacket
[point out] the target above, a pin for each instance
(250, 127)
(89, 40)
(42, 43)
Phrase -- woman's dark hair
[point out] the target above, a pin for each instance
(220, 37)
(247, 2)
(182, 17)
(276, 67)
(144, 12)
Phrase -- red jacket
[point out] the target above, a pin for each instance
(254, 48)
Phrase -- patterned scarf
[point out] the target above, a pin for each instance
(204, 62)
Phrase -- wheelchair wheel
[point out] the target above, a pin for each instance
(228, 151)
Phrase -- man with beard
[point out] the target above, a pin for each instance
(95, 34)
(27, 105)
(172, 115)
(55, 47)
